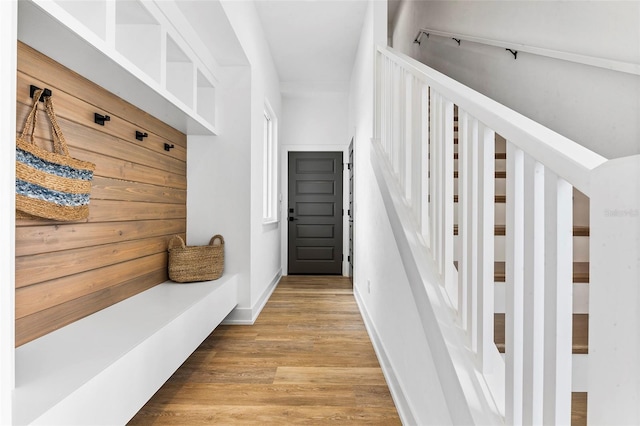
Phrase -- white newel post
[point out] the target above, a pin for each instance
(614, 294)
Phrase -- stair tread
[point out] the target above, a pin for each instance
(580, 272)
(498, 198)
(501, 230)
(498, 174)
(580, 333)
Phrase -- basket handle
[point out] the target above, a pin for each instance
(176, 242)
(216, 237)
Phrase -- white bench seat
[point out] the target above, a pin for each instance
(103, 368)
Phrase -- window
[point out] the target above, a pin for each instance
(270, 166)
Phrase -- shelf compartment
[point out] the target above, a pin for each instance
(180, 73)
(91, 14)
(138, 37)
(206, 98)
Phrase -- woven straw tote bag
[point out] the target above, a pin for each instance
(50, 184)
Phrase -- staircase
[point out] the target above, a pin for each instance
(498, 207)
(580, 323)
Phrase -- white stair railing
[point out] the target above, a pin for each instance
(415, 130)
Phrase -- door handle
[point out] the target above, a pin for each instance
(291, 218)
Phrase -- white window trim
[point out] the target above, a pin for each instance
(270, 207)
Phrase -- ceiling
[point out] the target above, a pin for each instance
(313, 42)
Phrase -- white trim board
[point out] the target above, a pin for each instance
(248, 316)
(399, 398)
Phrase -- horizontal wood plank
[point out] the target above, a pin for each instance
(45, 295)
(49, 266)
(123, 190)
(50, 237)
(43, 322)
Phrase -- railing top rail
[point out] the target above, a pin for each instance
(594, 61)
(568, 159)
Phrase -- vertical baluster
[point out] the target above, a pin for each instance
(402, 128)
(417, 151)
(437, 180)
(533, 365)
(424, 161)
(514, 284)
(486, 237)
(390, 109)
(463, 218)
(447, 202)
(472, 230)
(432, 169)
(397, 122)
(558, 289)
(408, 138)
(384, 85)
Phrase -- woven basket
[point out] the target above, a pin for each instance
(195, 263)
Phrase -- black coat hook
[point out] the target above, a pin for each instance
(140, 136)
(168, 147)
(45, 93)
(100, 119)
(457, 40)
(514, 53)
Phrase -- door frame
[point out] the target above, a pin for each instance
(284, 178)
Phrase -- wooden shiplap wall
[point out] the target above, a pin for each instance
(68, 270)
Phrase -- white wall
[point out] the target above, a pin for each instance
(218, 179)
(8, 37)
(379, 276)
(314, 121)
(264, 243)
(595, 107)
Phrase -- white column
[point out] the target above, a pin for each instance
(464, 197)
(407, 138)
(472, 230)
(486, 237)
(558, 300)
(533, 320)
(514, 285)
(424, 164)
(614, 293)
(8, 37)
(447, 229)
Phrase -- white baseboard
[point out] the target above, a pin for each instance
(398, 395)
(247, 316)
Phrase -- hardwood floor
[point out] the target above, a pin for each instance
(307, 359)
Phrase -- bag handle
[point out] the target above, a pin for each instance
(59, 142)
(30, 123)
(176, 242)
(214, 238)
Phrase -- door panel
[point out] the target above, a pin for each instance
(315, 213)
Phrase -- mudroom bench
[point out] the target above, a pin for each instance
(103, 368)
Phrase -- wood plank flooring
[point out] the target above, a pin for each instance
(307, 359)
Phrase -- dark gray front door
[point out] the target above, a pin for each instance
(315, 213)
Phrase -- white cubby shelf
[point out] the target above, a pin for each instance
(131, 48)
